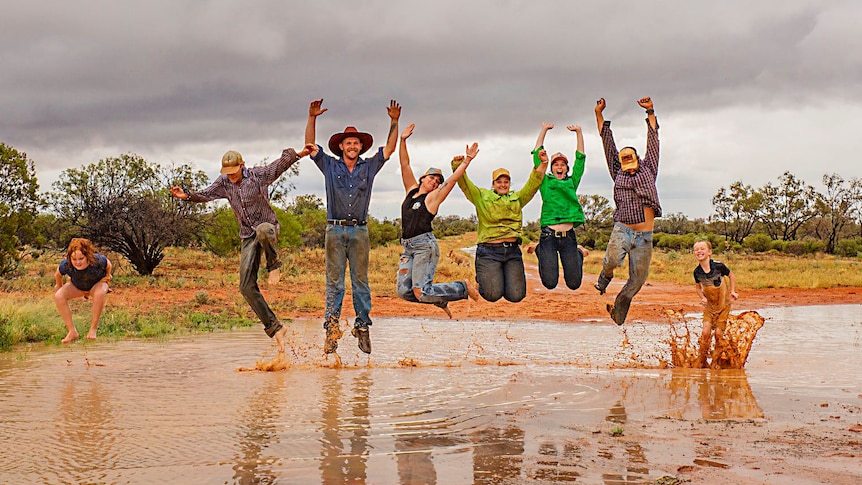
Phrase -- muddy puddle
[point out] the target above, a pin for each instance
(438, 402)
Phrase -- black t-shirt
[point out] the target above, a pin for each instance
(717, 269)
(87, 278)
(415, 218)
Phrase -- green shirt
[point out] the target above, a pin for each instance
(500, 216)
(560, 197)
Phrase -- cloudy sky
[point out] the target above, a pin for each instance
(743, 90)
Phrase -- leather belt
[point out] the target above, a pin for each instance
(346, 222)
(507, 244)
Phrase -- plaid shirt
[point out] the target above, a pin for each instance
(633, 191)
(250, 198)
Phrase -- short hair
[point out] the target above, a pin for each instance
(708, 244)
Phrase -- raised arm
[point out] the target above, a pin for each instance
(600, 118)
(580, 135)
(394, 111)
(435, 198)
(314, 110)
(541, 139)
(652, 153)
(407, 176)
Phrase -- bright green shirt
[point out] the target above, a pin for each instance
(560, 197)
(500, 216)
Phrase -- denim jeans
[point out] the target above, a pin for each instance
(500, 272)
(553, 249)
(638, 246)
(416, 270)
(343, 244)
(264, 241)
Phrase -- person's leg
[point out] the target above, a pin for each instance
(358, 249)
(489, 272)
(549, 267)
(336, 264)
(614, 256)
(572, 259)
(427, 255)
(100, 294)
(705, 339)
(267, 237)
(249, 264)
(61, 298)
(640, 255)
(404, 278)
(515, 281)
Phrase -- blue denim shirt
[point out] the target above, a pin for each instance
(348, 193)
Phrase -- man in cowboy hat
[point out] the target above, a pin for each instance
(636, 198)
(348, 181)
(246, 191)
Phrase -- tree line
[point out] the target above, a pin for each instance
(123, 204)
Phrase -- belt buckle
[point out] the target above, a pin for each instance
(561, 233)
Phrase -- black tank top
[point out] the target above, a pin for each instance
(415, 218)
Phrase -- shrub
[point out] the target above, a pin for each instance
(759, 243)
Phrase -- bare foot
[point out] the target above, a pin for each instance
(447, 310)
(279, 339)
(91, 335)
(472, 290)
(73, 335)
(274, 277)
(531, 248)
(584, 250)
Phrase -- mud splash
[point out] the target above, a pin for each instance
(730, 352)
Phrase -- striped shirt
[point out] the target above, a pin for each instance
(633, 191)
(249, 199)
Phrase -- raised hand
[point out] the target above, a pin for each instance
(315, 108)
(547, 126)
(600, 105)
(645, 102)
(575, 128)
(408, 131)
(308, 148)
(394, 109)
(472, 150)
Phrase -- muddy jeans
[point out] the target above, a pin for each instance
(264, 241)
(638, 246)
(343, 244)
(416, 270)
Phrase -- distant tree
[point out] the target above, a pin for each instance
(453, 225)
(19, 204)
(123, 204)
(737, 210)
(787, 206)
(381, 233)
(599, 216)
(676, 223)
(311, 214)
(836, 208)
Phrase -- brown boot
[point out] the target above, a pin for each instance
(333, 333)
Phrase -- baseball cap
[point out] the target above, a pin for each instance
(231, 162)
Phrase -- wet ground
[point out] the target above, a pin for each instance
(445, 402)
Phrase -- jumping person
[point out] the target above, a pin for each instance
(89, 273)
(418, 263)
(561, 213)
(246, 190)
(499, 263)
(637, 206)
(716, 285)
(348, 181)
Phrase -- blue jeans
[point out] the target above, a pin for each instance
(343, 244)
(554, 247)
(264, 241)
(638, 245)
(500, 272)
(416, 270)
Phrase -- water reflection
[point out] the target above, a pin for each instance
(484, 403)
(344, 429)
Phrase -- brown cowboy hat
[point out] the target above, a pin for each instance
(350, 132)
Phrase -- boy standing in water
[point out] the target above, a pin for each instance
(715, 293)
